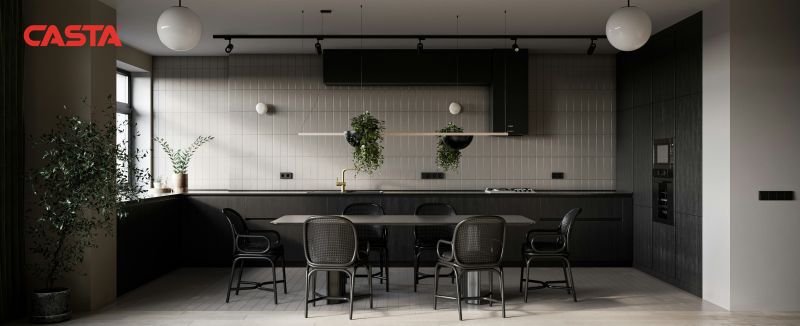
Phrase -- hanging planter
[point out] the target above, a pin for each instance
(366, 137)
(448, 148)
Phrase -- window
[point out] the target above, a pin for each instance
(124, 116)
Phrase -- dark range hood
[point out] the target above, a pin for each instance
(504, 71)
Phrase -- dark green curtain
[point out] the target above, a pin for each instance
(12, 167)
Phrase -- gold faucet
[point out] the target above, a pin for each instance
(342, 184)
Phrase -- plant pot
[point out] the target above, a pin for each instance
(181, 182)
(50, 306)
(353, 138)
(457, 142)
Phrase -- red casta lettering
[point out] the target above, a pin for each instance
(73, 35)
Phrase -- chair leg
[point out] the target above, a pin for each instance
(416, 268)
(571, 281)
(239, 282)
(435, 284)
(307, 288)
(566, 279)
(380, 265)
(386, 266)
(502, 292)
(352, 290)
(369, 272)
(274, 281)
(491, 288)
(522, 273)
(458, 294)
(283, 270)
(525, 280)
(230, 281)
(314, 289)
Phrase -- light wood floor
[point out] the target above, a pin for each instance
(607, 296)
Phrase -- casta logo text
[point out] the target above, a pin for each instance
(71, 36)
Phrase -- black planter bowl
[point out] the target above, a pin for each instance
(457, 142)
(50, 306)
(353, 138)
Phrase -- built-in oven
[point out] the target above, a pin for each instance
(663, 194)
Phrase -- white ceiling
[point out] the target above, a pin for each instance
(136, 22)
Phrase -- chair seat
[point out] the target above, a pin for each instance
(552, 248)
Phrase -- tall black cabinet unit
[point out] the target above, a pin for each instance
(659, 96)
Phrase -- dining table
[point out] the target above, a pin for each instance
(336, 281)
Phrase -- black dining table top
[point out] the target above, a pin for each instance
(403, 219)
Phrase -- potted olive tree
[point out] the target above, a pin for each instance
(81, 187)
(180, 160)
(366, 137)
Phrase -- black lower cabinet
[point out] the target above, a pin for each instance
(163, 234)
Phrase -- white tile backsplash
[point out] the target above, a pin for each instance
(572, 114)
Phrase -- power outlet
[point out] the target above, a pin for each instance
(287, 175)
(432, 175)
(558, 175)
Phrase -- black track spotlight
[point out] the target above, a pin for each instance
(229, 48)
(514, 47)
(318, 46)
(592, 47)
(420, 46)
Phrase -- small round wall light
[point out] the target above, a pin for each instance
(262, 108)
(455, 108)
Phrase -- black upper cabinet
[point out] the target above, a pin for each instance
(407, 67)
(662, 50)
(509, 111)
(504, 71)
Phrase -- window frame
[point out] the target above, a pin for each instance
(128, 110)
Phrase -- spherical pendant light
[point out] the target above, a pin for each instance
(628, 28)
(454, 108)
(179, 28)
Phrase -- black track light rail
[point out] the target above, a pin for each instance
(407, 36)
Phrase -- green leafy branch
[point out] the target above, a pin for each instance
(180, 157)
(368, 154)
(448, 158)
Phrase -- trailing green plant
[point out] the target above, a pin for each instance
(180, 157)
(83, 183)
(368, 152)
(448, 158)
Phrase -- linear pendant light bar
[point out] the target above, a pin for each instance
(412, 134)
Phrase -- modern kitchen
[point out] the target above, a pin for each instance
(198, 162)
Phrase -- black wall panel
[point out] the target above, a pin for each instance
(689, 252)
(688, 152)
(642, 156)
(662, 81)
(642, 237)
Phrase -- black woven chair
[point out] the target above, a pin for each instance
(427, 236)
(549, 245)
(374, 235)
(331, 244)
(253, 245)
(477, 245)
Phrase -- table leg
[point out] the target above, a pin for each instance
(336, 287)
(474, 286)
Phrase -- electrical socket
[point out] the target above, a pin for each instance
(287, 175)
(558, 175)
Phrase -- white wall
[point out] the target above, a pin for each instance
(572, 123)
(716, 155)
(765, 154)
(751, 262)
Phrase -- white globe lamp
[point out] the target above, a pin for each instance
(179, 28)
(455, 108)
(628, 28)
